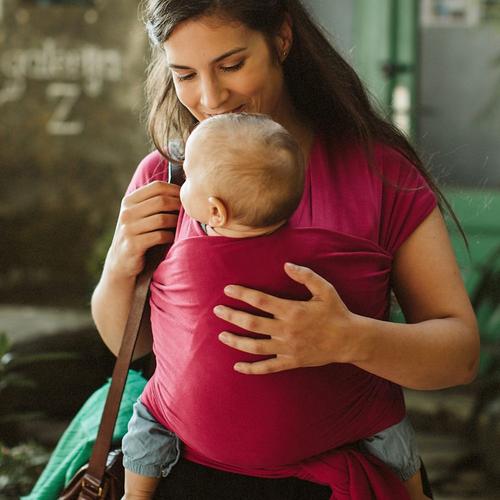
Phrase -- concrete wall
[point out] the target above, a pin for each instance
(335, 16)
(460, 103)
(71, 80)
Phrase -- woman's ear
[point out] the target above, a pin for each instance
(218, 212)
(284, 38)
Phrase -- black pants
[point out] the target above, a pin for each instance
(190, 481)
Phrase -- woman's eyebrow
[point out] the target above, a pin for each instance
(217, 59)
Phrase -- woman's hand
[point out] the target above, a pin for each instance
(302, 333)
(147, 218)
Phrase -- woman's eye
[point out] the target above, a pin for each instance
(190, 76)
(182, 78)
(235, 67)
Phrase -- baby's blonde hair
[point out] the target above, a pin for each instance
(253, 165)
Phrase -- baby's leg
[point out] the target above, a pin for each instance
(397, 447)
(414, 487)
(139, 487)
(149, 453)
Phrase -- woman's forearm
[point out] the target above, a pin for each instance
(432, 354)
(111, 303)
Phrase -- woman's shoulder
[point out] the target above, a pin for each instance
(381, 197)
(153, 167)
(384, 165)
(397, 168)
(406, 196)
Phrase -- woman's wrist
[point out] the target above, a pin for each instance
(359, 340)
(117, 278)
(114, 272)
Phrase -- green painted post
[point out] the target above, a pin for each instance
(371, 36)
(405, 57)
(385, 35)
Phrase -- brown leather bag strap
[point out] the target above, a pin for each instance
(137, 324)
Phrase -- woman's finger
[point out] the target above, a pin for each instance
(157, 204)
(155, 188)
(318, 286)
(260, 300)
(154, 223)
(154, 205)
(264, 347)
(144, 242)
(273, 365)
(247, 321)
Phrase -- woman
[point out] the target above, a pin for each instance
(215, 57)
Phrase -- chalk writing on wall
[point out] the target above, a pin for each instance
(70, 73)
(66, 95)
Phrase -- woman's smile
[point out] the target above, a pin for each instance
(239, 109)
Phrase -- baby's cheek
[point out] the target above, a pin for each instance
(182, 193)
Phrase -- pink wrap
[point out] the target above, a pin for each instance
(279, 424)
(351, 221)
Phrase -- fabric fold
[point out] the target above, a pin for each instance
(353, 475)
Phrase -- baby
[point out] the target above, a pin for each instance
(244, 178)
(246, 194)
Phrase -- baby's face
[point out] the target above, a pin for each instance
(194, 192)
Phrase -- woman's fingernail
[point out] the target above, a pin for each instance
(218, 309)
(228, 290)
(291, 266)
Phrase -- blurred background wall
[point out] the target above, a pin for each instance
(460, 97)
(71, 75)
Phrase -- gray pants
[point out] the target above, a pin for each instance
(396, 447)
(149, 449)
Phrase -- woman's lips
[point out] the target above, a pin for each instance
(239, 109)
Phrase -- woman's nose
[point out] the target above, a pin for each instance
(213, 94)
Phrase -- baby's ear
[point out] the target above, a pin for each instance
(218, 212)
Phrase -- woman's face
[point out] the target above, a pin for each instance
(220, 67)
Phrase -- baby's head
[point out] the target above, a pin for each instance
(242, 171)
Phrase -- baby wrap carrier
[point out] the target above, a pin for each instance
(297, 422)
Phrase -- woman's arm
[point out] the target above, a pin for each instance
(143, 222)
(439, 348)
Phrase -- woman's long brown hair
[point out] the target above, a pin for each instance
(324, 88)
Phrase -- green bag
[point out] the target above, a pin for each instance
(75, 446)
